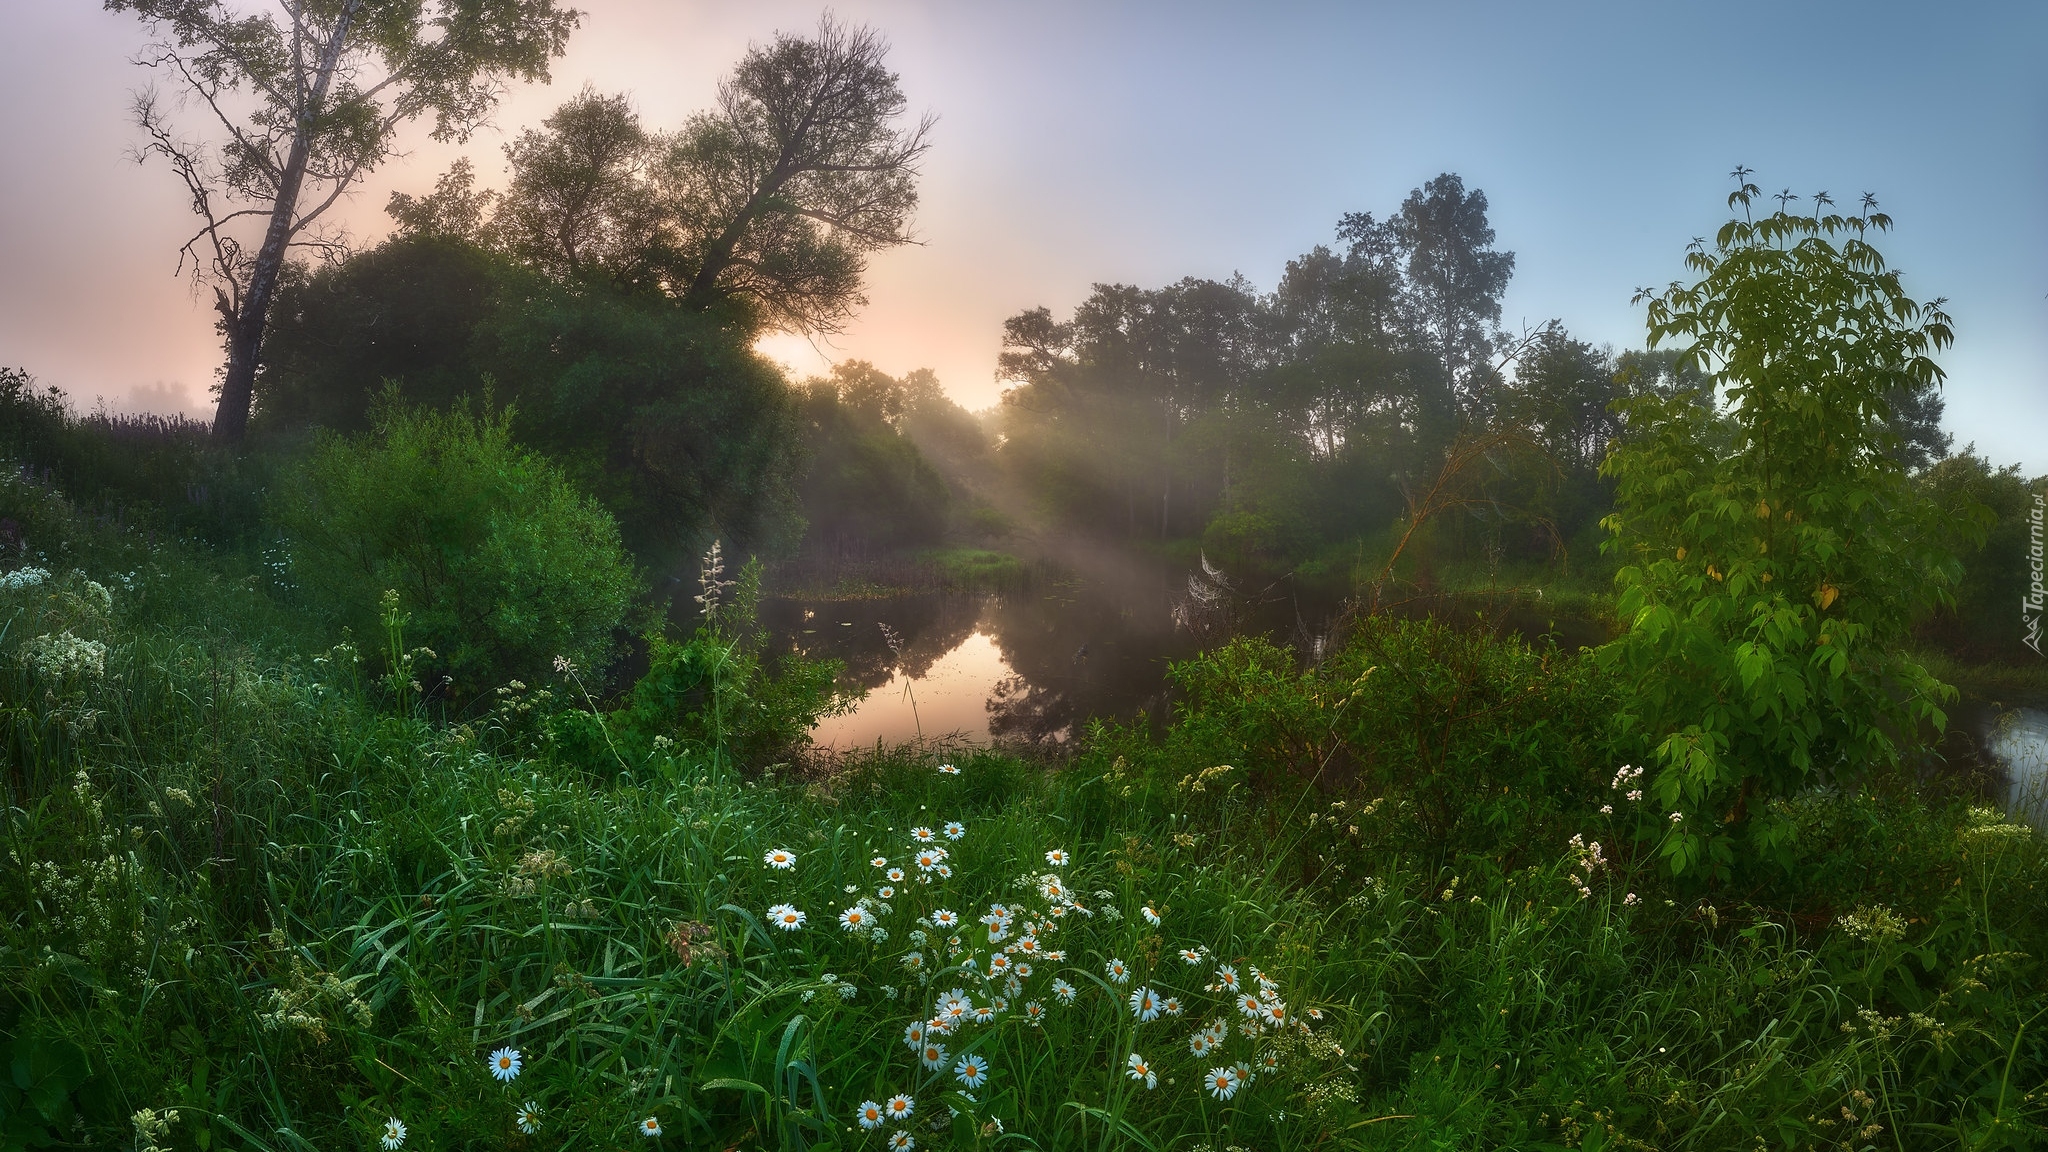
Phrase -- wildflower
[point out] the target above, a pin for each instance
(1315, 1014)
(1138, 1069)
(930, 859)
(780, 859)
(1151, 917)
(1635, 795)
(1027, 946)
(650, 1127)
(1222, 1082)
(955, 1005)
(900, 1107)
(984, 1013)
(505, 1063)
(971, 1071)
(1145, 1005)
(1052, 889)
(1249, 1005)
(1171, 1006)
(902, 1142)
(1274, 1013)
(886, 892)
(945, 918)
(922, 835)
(566, 668)
(945, 871)
(1021, 970)
(1269, 1062)
(786, 917)
(1607, 809)
(1116, 969)
(895, 875)
(1057, 956)
(1676, 817)
(1191, 956)
(1057, 858)
(997, 966)
(854, 919)
(949, 770)
(1199, 1044)
(913, 1035)
(869, 1114)
(933, 1056)
(394, 1134)
(1033, 1012)
(1226, 977)
(1630, 900)
(529, 1118)
(1063, 991)
(955, 830)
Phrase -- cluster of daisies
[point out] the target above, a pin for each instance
(995, 981)
(505, 1065)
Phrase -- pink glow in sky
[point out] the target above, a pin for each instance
(1141, 142)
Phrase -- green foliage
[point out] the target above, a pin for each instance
(719, 694)
(1985, 623)
(867, 484)
(499, 563)
(1775, 562)
(664, 414)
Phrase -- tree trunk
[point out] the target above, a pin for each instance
(245, 329)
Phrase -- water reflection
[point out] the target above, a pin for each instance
(2018, 743)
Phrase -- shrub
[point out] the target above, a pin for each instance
(1777, 558)
(717, 692)
(499, 564)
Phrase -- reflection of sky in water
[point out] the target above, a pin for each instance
(950, 698)
(2019, 742)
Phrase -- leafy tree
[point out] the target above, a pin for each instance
(779, 193)
(1775, 566)
(867, 485)
(1455, 281)
(579, 203)
(307, 101)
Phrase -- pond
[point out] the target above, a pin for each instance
(1032, 665)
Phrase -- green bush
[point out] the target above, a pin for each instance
(717, 693)
(499, 564)
(1777, 558)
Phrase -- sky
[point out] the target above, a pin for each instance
(1085, 141)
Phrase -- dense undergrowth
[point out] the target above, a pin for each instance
(259, 896)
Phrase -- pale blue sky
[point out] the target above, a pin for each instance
(1142, 142)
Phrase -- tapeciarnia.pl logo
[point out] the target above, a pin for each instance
(2037, 596)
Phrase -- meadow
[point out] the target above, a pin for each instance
(267, 896)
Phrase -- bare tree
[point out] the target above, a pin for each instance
(778, 194)
(303, 101)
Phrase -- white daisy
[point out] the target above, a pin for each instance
(1063, 991)
(1057, 858)
(949, 770)
(1191, 956)
(955, 830)
(1226, 977)
(780, 859)
(1171, 1006)
(880, 862)
(902, 1141)
(1137, 1068)
(1221, 1082)
(971, 1071)
(650, 1127)
(1151, 917)
(895, 875)
(855, 918)
(886, 892)
(945, 918)
(529, 1118)
(869, 1114)
(900, 1107)
(922, 835)
(1117, 971)
(1250, 1006)
(1033, 1012)
(505, 1063)
(1274, 1013)
(929, 859)
(913, 1035)
(394, 1134)
(786, 917)
(1145, 1005)
(1199, 1044)
(933, 1056)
